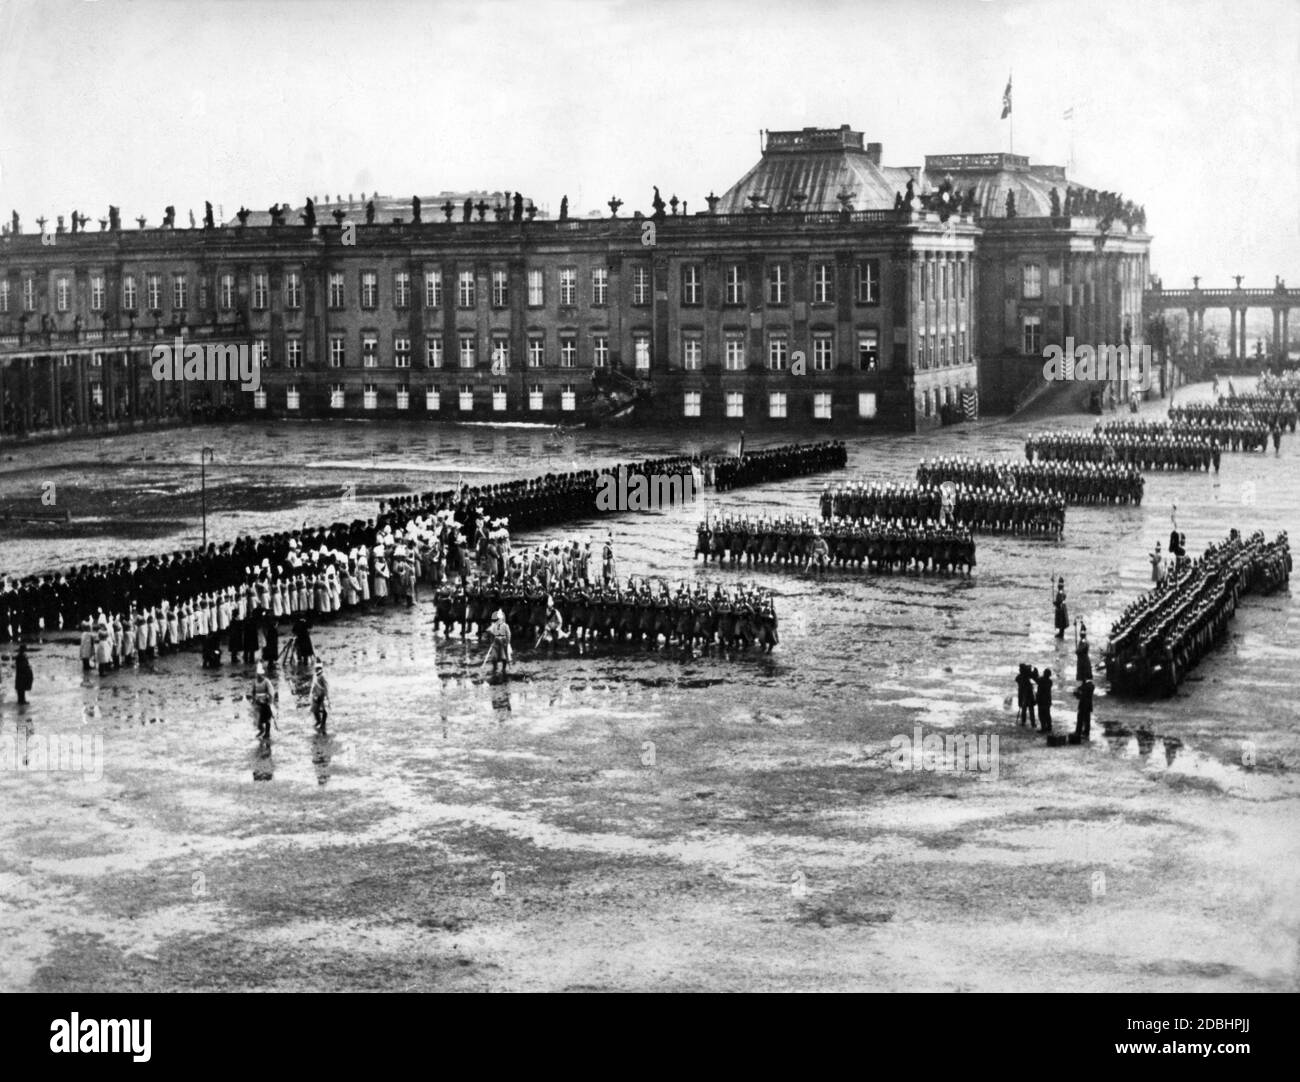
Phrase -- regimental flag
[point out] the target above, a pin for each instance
(1006, 100)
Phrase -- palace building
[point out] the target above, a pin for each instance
(821, 288)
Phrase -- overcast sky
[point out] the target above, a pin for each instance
(1188, 106)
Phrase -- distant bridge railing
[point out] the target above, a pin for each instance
(1192, 298)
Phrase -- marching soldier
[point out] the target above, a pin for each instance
(319, 696)
(263, 700)
(499, 652)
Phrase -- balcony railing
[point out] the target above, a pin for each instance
(37, 340)
(329, 233)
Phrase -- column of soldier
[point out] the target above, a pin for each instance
(562, 601)
(1283, 388)
(1226, 420)
(540, 592)
(777, 463)
(1148, 453)
(531, 503)
(1273, 402)
(558, 498)
(801, 544)
(1072, 482)
(237, 593)
(978, 508)
(1242, 434)
(1164, 634)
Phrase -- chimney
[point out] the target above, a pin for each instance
(873, 153)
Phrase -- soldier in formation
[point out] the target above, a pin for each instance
(534, 503)
(979, 508)
(1074, 482)
(235, 593)
(1236, 435)
(778, 463)
(1164, 633)
(1162, 452)
(877, 545)
(649, 613)
(1272, 402)
(555, 498)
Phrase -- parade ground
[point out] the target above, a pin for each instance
(621, 819)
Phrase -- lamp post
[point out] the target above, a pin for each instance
(203, 487)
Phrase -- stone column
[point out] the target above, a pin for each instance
(1232, 334)
(1243, 334)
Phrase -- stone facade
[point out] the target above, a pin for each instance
(785, 314)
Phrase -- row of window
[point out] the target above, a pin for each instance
(777, 404)
(733, 401)
(942, 280)
(735, 351)
(777, 288)
(153, 293)
(941, 350)
(938, 281)
(468, 351)
(432, 397)
(1031, 279)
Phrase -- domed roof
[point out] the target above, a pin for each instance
(809, 169)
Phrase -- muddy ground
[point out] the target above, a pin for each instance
(620, 818)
